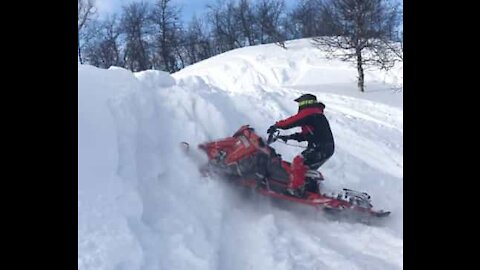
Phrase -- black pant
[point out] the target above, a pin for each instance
(315, 157)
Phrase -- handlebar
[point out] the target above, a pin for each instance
(272, 137)
(275, 135)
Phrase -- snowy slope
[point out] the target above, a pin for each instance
(142, 204)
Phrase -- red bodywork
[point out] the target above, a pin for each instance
(244, 143)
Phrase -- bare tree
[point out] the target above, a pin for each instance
(104, 51)
(268, 15)
(225, 30)
(245, 18)
(180, 54)
(308, 20)
(86, 12)
(196, 42)
(135, 25)
(364, 28)
(401, 44)
(167, 26)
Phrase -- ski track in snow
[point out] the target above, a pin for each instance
(163, 215)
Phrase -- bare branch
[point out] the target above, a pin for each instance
(363, 33)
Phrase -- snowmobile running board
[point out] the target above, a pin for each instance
(315, 200)
(321, 203)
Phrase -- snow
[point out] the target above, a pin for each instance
(143, 205)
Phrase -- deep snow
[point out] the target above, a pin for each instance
(143, 205)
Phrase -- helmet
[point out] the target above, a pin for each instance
(306, 99)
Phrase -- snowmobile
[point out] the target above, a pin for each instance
(246, 159)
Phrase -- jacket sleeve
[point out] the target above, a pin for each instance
(293, 121)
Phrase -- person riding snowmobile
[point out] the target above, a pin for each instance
(316, 131)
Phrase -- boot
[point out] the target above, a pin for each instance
(297, 178)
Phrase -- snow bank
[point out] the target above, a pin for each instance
(105, 240)
(300, 65)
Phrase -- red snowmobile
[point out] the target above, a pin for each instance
(247, 160)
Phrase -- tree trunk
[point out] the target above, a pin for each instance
(361, 76)
(182, 62)
(79, 52)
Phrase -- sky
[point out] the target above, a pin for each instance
(189, 7)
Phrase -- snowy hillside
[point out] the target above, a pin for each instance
(143, 205)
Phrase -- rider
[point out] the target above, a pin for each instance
(316, 131)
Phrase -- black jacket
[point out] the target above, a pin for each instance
(315, 127)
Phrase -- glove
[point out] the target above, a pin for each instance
(284, 138)
(272, 129)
